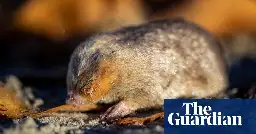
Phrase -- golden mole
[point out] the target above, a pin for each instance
(137, 67)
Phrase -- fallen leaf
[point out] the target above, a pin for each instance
(10, 105)
(140, 121)
(68, 108)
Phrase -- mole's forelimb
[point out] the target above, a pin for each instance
(138, 67)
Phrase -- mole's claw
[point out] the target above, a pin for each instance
(104, 116)
(117, 111)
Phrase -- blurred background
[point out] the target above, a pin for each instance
(37, 37)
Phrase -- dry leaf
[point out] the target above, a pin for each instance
(140, 121)
(10, 105)
(68, 108)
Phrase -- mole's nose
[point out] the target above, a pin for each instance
(76, 100)
(70, 99)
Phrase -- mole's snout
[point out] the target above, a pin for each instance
(75, 100)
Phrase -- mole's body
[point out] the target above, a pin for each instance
(138, 67)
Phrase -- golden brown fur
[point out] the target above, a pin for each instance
(140, 66)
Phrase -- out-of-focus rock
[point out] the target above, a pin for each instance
(61, 19)
(223, 18)
(240, 46)
(43, 34)
(232, 21)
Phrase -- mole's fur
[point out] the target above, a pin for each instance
(138, 67)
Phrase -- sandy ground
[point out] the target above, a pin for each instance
(62, 122)
(84, 122)
(74, 123)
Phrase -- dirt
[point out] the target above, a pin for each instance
(77, 122)
(62, 122)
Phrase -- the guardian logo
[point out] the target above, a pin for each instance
(198, 115)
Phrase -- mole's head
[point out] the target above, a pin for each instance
(90, 76)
